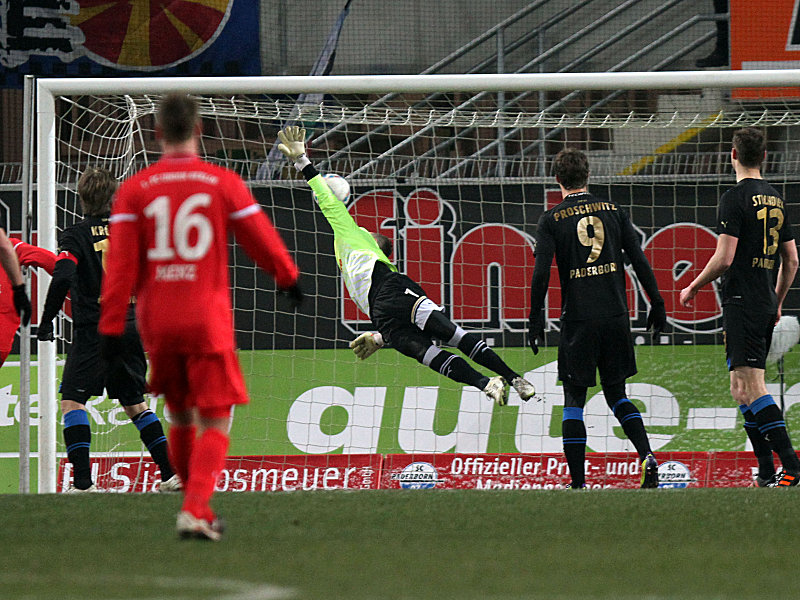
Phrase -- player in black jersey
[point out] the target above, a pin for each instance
(755, 237)
(79, 270)
(588, 235)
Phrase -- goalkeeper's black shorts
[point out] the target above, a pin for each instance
(748, 336)
(394, 305)
(86, 375)
(398, 306)
(596, 345)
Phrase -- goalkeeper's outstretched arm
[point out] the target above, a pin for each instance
(292, 145)
(356, 249)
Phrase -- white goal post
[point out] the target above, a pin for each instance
(49, 90)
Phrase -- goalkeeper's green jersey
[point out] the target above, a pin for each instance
(356, 250)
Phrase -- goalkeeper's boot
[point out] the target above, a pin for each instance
(649, 472)
(764, 481)
(785, 479)
(92, 489)
(497, 390)
(173, 484)
(190, 527)
(524, 388)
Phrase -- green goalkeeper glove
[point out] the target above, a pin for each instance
(293, 145)
(367, 344)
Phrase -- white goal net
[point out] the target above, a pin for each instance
(457, 178)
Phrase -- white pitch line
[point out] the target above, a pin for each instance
(188, 588)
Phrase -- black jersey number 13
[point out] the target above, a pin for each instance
(771, 237)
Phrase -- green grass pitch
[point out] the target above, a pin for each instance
(629, 544)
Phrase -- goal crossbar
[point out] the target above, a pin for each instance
(366, 84)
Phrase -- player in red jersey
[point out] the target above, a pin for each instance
(10, 266)
(27, 255)
(168, 246)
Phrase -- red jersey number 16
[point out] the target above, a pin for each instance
(174, 238)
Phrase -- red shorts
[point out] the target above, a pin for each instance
(197, 380)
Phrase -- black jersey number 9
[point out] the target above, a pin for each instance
(595, 240)
(771, 237)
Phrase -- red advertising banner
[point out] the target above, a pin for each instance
(765, 35)
(300, 472)
(119, 474)
(428, 471)
(242, 473)
(550, 471)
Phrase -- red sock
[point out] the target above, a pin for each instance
(181, 441)
(207, 460)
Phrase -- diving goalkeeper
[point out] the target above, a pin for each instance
(404, 316)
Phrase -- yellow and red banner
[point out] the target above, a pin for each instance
(127, 37)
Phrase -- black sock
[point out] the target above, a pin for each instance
(476, 349)
(631, 420)
(152, 435)
(773, 428)
(573, 437)
(457, 369)
(761, 449)
(78, 437)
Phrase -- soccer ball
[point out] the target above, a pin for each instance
(338, 185)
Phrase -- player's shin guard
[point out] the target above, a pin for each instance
(761, 449)
(453, 367)
(573, 433)
(631, 420)
(78, 437)
(476, 349)
(181, 445)
(152, 436)
(205, 464)
(773, 428)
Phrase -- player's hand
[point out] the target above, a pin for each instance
(294, 294)
(22, 303)
(687, 295)
(535, 332)
(45, 332)
(293, 142)
(110, 347)
(367, 344)
(657, 318)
